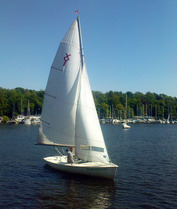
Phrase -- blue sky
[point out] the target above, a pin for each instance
(129, 45)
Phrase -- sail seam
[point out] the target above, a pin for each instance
(89, 139)
(58, 131)
(74, 103)
(70, 45)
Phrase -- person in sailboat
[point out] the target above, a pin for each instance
(70, 155)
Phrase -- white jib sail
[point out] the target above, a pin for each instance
(60, 101)
(90, 145)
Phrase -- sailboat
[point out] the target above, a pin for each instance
(28, 119)
(168, 119)
(125, 125)
(69, 117)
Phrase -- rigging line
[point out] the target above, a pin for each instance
(58, 151)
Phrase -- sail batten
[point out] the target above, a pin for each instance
(54, 97)
(56, 68)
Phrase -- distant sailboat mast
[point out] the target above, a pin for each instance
(126, 109)
(22, 107)
(28, 110)
(125, 126)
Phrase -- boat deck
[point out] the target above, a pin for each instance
(79, 163)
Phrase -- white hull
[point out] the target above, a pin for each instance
(98, 169)
(28, 122)
(125, 126)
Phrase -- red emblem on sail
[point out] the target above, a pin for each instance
(66, 58)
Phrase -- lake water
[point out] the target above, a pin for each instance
(146, 177)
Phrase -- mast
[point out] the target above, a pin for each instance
(126, 108)
(28, 110)
(81, 44)
(21, 107)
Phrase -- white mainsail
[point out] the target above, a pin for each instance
(69, 116)
(60, 102)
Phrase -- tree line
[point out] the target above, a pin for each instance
(113, 104)
(109, 104)
(15, 101)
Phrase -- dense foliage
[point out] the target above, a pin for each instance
(113, 104)
(15, 101)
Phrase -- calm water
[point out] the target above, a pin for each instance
(146, 177)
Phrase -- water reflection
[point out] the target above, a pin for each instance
(75, 191)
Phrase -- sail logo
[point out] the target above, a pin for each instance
(66, 58)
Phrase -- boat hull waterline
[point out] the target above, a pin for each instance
(96, 169)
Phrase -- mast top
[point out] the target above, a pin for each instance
(80, 39)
